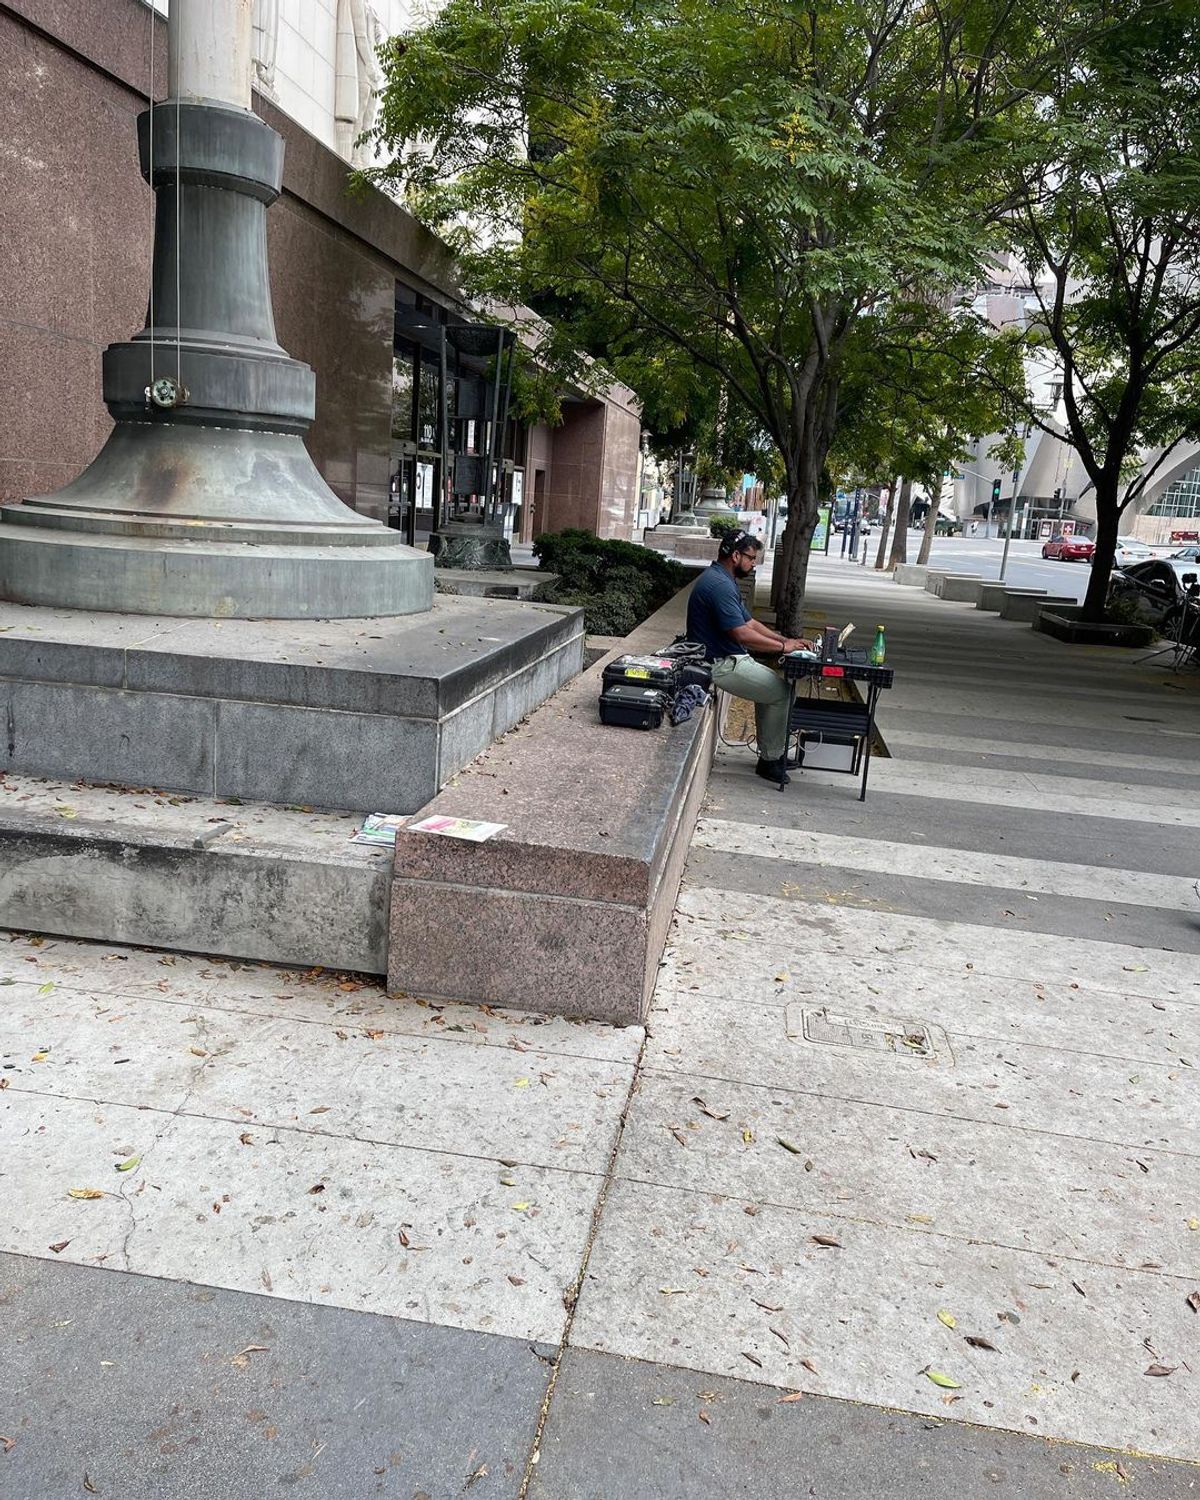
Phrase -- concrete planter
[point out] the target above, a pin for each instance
(993, 594)
(1063, 624)
(961, 590)
(912, 575)
(1018, 606)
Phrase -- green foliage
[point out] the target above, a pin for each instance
(720, 526)
(690, 187)
(617, 584)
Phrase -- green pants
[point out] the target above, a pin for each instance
(746, 678)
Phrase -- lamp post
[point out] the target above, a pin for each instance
(204, 500)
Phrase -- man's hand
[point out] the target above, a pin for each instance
(797, 644)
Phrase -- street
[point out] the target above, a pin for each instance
(978, 554)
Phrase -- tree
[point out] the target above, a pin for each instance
(1107, 221)
(930, 381)
(738, 183)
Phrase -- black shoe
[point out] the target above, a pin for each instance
(773, 770)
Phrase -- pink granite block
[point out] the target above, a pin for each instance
(567, 909)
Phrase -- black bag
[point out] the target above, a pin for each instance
(634, 707)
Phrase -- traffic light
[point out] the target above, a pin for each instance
(995, 492)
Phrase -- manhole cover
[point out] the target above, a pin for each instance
(898, 1036)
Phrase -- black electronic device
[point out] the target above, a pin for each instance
(634, 707)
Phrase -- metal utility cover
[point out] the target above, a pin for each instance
(897, 1036)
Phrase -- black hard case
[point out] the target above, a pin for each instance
(649, 671)
(633, 707)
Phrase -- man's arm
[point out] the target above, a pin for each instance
(756, 636)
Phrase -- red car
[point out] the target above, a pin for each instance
(1069, 548)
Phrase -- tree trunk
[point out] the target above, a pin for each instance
(803, 507)
(931, 516)
(903, 508)
(885, 523)
(1108, 524)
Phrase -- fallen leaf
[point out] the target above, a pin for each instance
(7, 1443)
(704, 1109)
(46, 988)
(478, 1474)
(920, 1218)
(87, 1482)
(517, 1280)
(519, 1208)
(246, 1138)
(39, 1056)
(252, 1349)
(317, 1187)
(663, 1401)
(782, 977)
(3, 1083)
(704, 1417)
(977, 1341)
(403, 1238)
(753, 1358)
(1161, 1369)
(60, 1246)
(128, 1164)
(321, 1109)
(1136, 968)
(947, 1318)
(85, 1193)
(748, 1137)
(947, 1382)
(826, 1241)
(787, 1400)
(809, 1366)
(789, 1146)
(671, 1291)
(1193, 1301)
(521, 1083)
(197, 1051)
(1193, 1223)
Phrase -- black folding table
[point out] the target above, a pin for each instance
(833, 720)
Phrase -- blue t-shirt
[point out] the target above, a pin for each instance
(715, 608)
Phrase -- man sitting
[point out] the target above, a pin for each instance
(719, 620)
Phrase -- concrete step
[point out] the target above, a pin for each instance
(238, 880)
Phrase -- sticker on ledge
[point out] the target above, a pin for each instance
(458, 828)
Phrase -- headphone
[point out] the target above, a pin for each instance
(740, 541)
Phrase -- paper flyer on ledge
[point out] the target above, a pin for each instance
(458, 828)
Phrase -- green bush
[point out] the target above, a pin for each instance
(617, 584)
(720, 526)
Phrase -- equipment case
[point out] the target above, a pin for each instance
(652, 671)
(634, 707)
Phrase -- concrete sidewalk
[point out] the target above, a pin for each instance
(913, 1133)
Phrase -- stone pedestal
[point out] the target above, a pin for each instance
(470, 544)
(363, 716)
(204, 500)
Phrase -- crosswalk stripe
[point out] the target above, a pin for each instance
(913, 740)
(963, 867)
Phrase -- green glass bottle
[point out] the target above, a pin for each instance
(878, 653)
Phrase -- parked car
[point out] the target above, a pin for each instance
(1069, 548)
(1157, 591)
(1130, 550)
(1185, 554)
